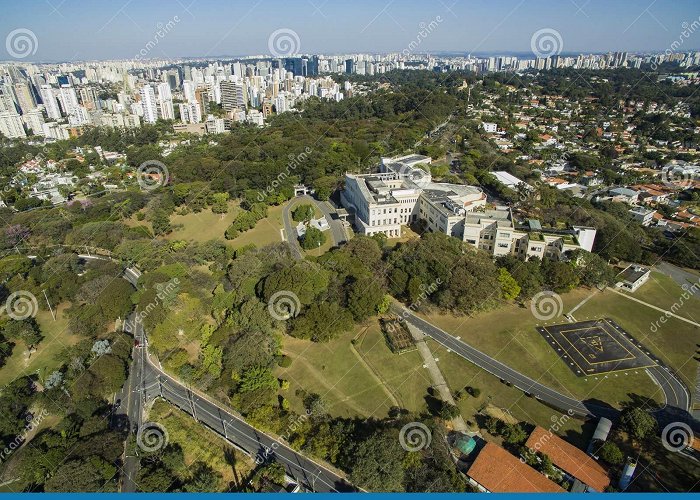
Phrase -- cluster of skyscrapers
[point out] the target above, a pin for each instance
(203, 96)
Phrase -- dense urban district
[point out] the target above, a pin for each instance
(351, 274)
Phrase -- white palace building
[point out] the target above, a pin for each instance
(402, 192)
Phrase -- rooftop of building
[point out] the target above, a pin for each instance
(641, 211)
(569, 458)
(633, 273)
(500, 472)
(500, 217)
(624, 192)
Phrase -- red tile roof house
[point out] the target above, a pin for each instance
(497, 471)
(568, 458)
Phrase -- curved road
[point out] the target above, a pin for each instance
(677, 400)
(146, 382)
(336, 226)
(263, 448)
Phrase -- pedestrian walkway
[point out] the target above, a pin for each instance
(439, 382)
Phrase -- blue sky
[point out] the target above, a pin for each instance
(108, 29)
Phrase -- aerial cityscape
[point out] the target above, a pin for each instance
(350, 247)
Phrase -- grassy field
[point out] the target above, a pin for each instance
(202, 226)
(56, 338)
(332, 370)
(266, 231)
(403, 373)
(206, 225)
(662, 291)
(199, 444)
(674, 341)
(353, 388)
(509, 335)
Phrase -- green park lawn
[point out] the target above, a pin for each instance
(662, 291)
(509, 335)
(403, 374)
(204, 225)
(199, 444)
(45, 358)
(332, 370)
(352, 388)
(265, 232)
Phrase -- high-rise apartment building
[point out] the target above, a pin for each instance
(25, 99)
(48, 97)
(233, 95)
(149, 104)
(68, 99)
(11, 125)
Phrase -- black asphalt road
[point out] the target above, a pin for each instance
(675, 393)
(245, 437)
(132, 401)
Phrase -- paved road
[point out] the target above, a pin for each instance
(245, 437)
(676, 395)
(337, 229)
(677, 398)
(679, 275)
(504, 372)
(132, 400)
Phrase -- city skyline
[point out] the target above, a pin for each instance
(211, 29)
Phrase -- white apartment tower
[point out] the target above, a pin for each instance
(50, 103)
(11, 125)
(69, 99)
(149, 104)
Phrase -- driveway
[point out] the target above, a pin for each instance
(337, 229)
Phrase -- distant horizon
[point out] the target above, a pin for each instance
(450, 53)
(102, 30)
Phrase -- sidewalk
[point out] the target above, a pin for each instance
(439, 382)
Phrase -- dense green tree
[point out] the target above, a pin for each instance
(592, 269)
(306, 280)
(322, 322)
(377, 463)
(219, 203)
(509, 286)
(365, 298)
(25, 330)
(302, 213)
(313, 238)
(448, 411)
(80, 476)
(257, 378)
(203, 479)
(639, 423)
(611, 453)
